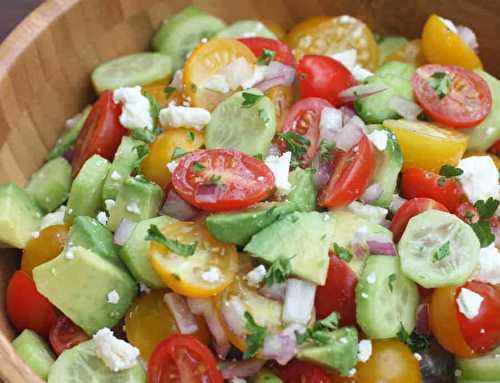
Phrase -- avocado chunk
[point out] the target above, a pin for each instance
(135, 252)
(19, 216)
(339, 354)
(85, 197)
(137, 200)
(50, 185)
(387, 46)
(265, 376)
(125, 160)
(302, 237)
(79, 287)
(35, 352)
(394, 75)
(304, 191)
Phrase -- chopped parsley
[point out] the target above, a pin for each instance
(442, 252)
(278, 272)
(145, 135)
(255, 336)
(321, 331)
(154, 108)
(266, 57)
(297, 145)
(450, 171)
(169, 90)
(486, 210)
(326, 150)
(259, 156)
(215, 180)
(190, 136)
(342, 252)
(441, 83)
(194, 88)
(178, 152)
(249, 99)
(184, 250)
(142, 152)
(416, 342)
(264, 116)
(197, 167)
(441, 181)
(392, 278)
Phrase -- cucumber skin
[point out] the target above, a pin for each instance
(35, 352)
(485, 368)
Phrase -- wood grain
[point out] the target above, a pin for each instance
(45, 65)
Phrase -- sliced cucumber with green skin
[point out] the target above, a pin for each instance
(80, 364)
(385, 298)
(35, 352)
(136, 69)
(457, 243)
(462, 380)
(247, 129)
(485, 368)
(180, 33)
(246, 28)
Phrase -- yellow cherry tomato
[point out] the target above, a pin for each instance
(207, 60)
(334, 35)
(149, 321)
(275, 28)
(157, 90)
(154, 165)
(46, 246)
(442, 46)
(282, 98)
(411, 53)
(206, 272)
(427, 146)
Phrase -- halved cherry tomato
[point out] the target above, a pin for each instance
(495, 149)
(48, 245)
(418, 183)
(338, 294)
(102, 132)
(64, 334)
(26, 307)
(352, 173)
(482, 333)
(303, 118)
(467, 212)
(183, 359)
(257, 45)
(282, 98)
(410, 209)
(219, 179)
(411, 53)
(298, 371)
(324, 77)
(444, 322)
(466, 103)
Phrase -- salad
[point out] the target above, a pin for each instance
(243, 204)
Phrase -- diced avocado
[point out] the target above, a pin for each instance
(265, 376)
(19, 216)
(394, 75)
(304, 192)
(137, 200)
(303, 238)
(85, 197)
(387, 45)
(35, 352)
(86, 232)
(125, 160)
(50, 185)
(135, 253)
(389, 164)
(340, 354)
(79, 287)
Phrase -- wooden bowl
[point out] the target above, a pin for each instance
(45, 65)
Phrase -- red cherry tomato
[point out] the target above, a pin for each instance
(322, 76)
(352, 173)
(64, 334)
(419, 183)
(464, 103)
(410, 209)
(495, 148)
(338, 293)
(26, 307)
(302, 372)
(482, 333)
(219, 179)
(102, 132)
(257, 45)
(183, 359)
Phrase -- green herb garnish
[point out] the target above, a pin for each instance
(255, 336)
(342, 252)
(215, 180)
(263, 116)
(392, 278)
(266, 57)
(145, 135)
(278, 272)
(487, 208)
(184, 250)
(297, 145)
(450, 171)
(321, 331)
(142, 152)
(178, 152)
(197, 167)
(249, 99)
(190, 136)
(483, 232)
(326, 150)
(442, 252)
(441, 83)
(169, 90)
(416, 342)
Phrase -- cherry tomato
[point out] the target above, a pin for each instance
(64, 334)
(482, 333)
(102, 132)
(464, 104)
(282, 98)
(303, 118)
(418, 183)
(219, 179)
(26, 307)
(352, 173)
(467, 212)
(183, 359)
(444, 322)
(411, 53)
(495, 149)
(257, 45)
(338, 293)
(303, 372)
(324, 77)
(410, 209)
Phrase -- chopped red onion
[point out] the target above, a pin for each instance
(351, 134)
(276, 291)
(361, 91)
(347, 114)
(423, 326)
(123, 231)
(396, 203)
(282, 347)
(186, 322)
(233, 313)
(299, 301)
(237, 72)
(381, 247)
(177, 81)
(276, 74)
(468, 36)
(330, 124)
(206, 193)
(322, 174)
(242, 368)
(496, 231)
(69, 153)
(405, 108)
(373, 192)
(177, 208)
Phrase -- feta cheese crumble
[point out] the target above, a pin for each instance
(113, 297)
(379, 139)
(373, 214)
(349, 59)
(480, 178)
(116, 354)
(489, 265)
(280, 166)
(217, 83)
(469, 303)
(55, 218)
(102, 218)
(135, 108)
(256, 276)
(35, 234)
(133, 208)
(183, 116)
(364, 350)
(212, 275)
(172, 165)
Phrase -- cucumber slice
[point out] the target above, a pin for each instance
(247, 129)
(179, 34)
(462, 380)
(485, 368)
(387, 45)
(385, 298)
(433, 230)
(81, 365)
(35, 352)
(131, 70)
(246, 28)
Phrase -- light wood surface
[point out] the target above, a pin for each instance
(45, 65)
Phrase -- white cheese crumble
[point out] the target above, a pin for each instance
(379, 139)
(373, 214)
(352, 372)
(55, 218)
(280, 166)
(135, 108)
(102, 218)
(489, 265)
(183, 116)
(256, 276)
(417, 356)
(469, 303)
(115, 176)
(480, 178)
(133, 208)
(371, 278)
(113, 297)
(109, 204)
(364, 350)
(217, 83)
(35, 234)
(348, 58)
(172, 165)
(116, 354)
(69, 253)
(212, 275)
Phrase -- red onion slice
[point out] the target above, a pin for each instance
(283, 346)
(242, 368)
(405, 108)
(396, 203)
(276, 291)
(351, 134)
(276, 74)
(233, 313)
(372, 193)
(186, 322)
(381, 247)
(468, 36)
(347, 114)
(123, 232)
(322, 174)
(177, 208)
(423, 326)
(69, 154)
(206, 193)
(361, 91)
(299, 301)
